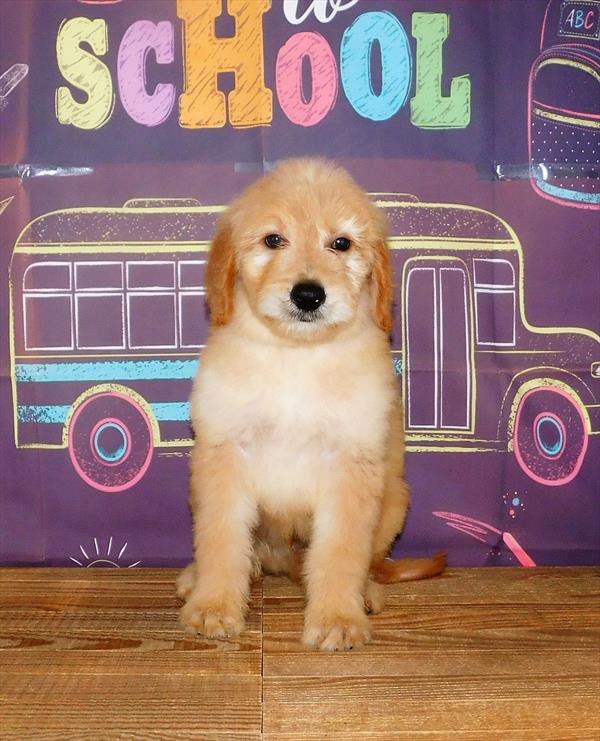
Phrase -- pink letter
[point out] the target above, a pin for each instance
(288, 78)
(589, 20)
(137, 41)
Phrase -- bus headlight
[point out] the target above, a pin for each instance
(595, 370)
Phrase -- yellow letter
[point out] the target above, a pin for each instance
(84, 71)
(202, 105)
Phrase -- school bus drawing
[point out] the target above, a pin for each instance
(108, 320)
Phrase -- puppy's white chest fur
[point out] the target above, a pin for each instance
(292, 412)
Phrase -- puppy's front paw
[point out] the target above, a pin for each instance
(198, 617)
(337, 633)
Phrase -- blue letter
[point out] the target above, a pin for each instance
(396, 63)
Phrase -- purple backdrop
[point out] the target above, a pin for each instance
(486, 113)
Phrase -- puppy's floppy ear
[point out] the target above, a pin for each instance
(220, 275)
(382, 285)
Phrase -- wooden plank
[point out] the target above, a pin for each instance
(309, 690)
(103, 621)
(438, 656)
(108, 705)
(458, 639)
(73, 574)
(446, 617)
(57, 589)
(418, 704)
(101, 653)
(490, 586)
(208, 659)
(482, 734)
(476, 654)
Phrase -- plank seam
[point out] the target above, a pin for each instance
(262, 657)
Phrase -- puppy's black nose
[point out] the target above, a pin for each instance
(308, 296)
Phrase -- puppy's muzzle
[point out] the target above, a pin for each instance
(308, 296)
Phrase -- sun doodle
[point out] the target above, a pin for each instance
(103, 558)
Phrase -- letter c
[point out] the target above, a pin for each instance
(140, 37)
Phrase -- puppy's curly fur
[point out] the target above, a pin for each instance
(298, 465)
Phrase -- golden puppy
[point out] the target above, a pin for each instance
(296, 411)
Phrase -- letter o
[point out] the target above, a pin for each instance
(288, 78)
(396, 62)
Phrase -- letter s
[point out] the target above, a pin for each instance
(85, 71)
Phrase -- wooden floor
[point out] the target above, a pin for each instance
(476, 654)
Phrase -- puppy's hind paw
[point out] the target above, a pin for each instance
(374, 598)
(186, 581)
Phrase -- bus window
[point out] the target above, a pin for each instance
(191, 311)
(493, 273)
(191, 302)
(495, 302)
(47, 308)
(191, 274)
(98, 276)
(150, 274)
(151, 320)
(99, 321)
(151, 316)
(99, 306)
(48, 322)
(47, 276)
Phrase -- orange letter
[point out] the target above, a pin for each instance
(202, 105)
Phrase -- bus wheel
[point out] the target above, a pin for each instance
(110, 441)
(550, 438)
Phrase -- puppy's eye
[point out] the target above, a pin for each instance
(274, 241)
(341, 244)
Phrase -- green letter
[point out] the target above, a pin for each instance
(428, 109)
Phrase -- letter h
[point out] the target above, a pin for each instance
(202, 105)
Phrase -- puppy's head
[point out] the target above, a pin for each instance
(308, 248)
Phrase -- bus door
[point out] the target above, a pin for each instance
(437, 334)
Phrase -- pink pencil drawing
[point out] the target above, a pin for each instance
(486, 533)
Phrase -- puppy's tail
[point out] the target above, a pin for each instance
(389, 571)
